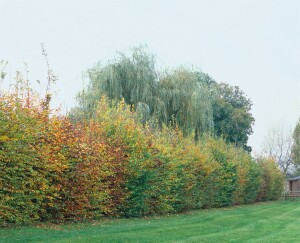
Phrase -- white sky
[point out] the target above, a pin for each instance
(252, 44)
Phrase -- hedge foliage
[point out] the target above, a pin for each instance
(51, 169)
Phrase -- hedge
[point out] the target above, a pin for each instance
(53, 169)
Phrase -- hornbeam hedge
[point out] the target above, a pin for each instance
(111, 165)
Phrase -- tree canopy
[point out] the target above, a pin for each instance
(183, 100)
(130, 78)
(182, 97)
(232, 117)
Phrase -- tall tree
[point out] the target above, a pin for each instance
(232, 117)
(185, 101)
(132, 78)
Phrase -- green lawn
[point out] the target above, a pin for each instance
(266, 222)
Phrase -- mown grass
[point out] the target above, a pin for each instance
(265, 222)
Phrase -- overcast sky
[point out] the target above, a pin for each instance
(252, 44)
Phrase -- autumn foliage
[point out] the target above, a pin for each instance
(111, 165)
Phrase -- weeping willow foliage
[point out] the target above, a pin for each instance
(130, 78)
(178, 98)
(185, 101)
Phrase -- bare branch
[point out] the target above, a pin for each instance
(278, 145)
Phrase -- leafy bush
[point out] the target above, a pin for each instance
(271, 187)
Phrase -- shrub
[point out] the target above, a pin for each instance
(271, 187)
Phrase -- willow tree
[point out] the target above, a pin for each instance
(132, 78)
(183, 100)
